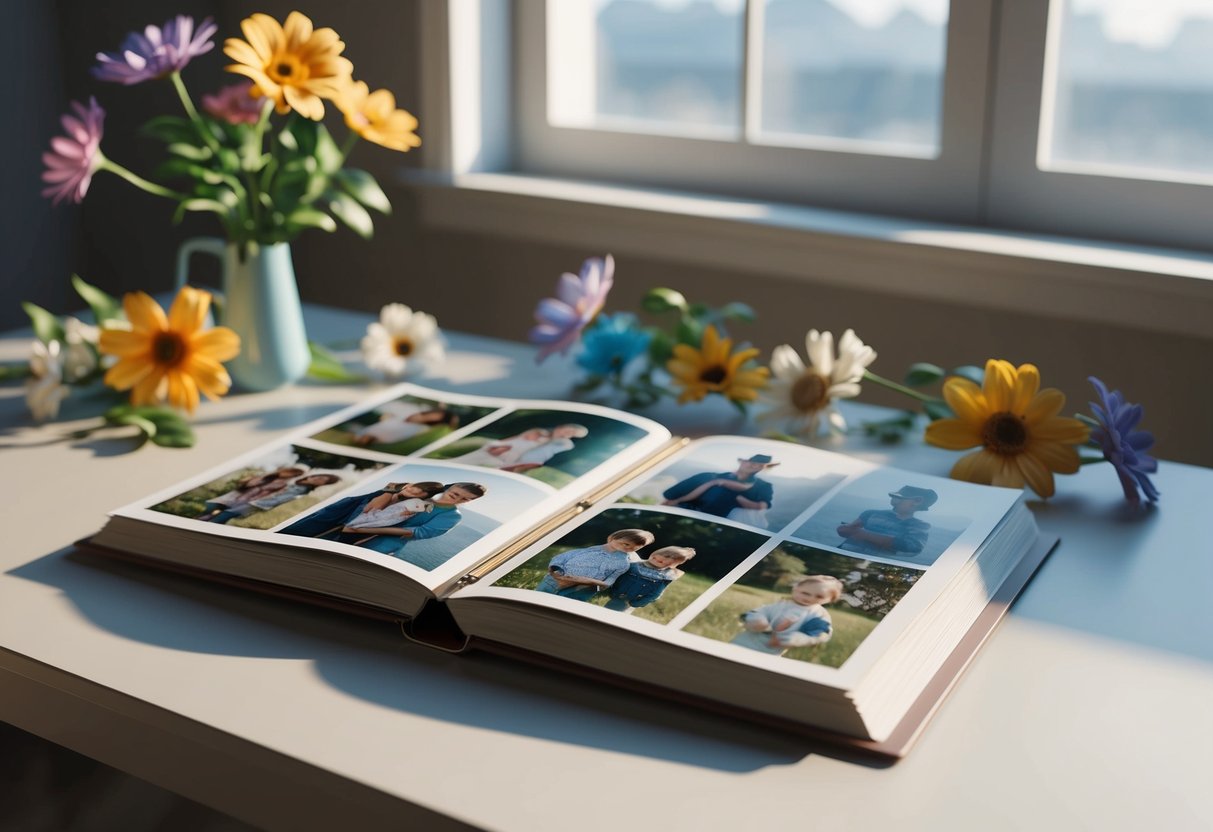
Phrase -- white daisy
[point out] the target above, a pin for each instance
(80, 357)
(799, 394)
(400, 336)
(45, 391)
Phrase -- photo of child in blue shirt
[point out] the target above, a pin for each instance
(645, 580)
(580, 573)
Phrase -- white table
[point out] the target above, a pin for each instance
(1089, 708)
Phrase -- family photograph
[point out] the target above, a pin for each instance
(642, 562)
(420, 514)
(552, 446)
(271, 491)
(805, 603)
(883, 516)
(403, 426)
(732, 481)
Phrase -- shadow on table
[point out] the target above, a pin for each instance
(373, 661)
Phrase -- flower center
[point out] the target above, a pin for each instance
(810, 393)
(286, 69)
(404, 346)
(168, 349)
(714, 374)
(1004, 433)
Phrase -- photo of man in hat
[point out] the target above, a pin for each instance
(720, 494)
(895, 531)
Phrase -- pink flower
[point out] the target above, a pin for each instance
(234, 104)
(74, 158)
(579, 298)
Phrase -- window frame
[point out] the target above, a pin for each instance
(947, 187)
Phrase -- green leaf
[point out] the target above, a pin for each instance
(689, 331)
(170, 129)
(938, 409)
(349, 211)
(327, 367)
(327, 153)
(162, 425)
(659, 300)
(47, 327)
(199, 204)
(362, 186)
(977, 375)
(737, 311)
(311, 218)
(189, 151)
(661, 349)
(105, 308)
(922, 374)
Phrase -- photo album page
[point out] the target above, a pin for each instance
(761, 552)
(420, 482)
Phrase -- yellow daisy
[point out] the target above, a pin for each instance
(374, 117)
(168, 357)
(293, 66)
(1022, 438)
(715, 368)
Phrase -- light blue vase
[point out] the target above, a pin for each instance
(261, 303)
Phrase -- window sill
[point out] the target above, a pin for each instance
(1153, 289)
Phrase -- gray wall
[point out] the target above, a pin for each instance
(488, 284)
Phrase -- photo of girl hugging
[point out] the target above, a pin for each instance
(646, 579)
(398, 502)
(799, 620)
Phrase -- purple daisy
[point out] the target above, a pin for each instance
(74, 158)
(1123, 445)
(578, 299)
(156, 52)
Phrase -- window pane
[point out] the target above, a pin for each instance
(867, 70)
(1134, 88)
(647, 65)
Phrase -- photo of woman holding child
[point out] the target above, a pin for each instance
(636, 561)
(805, 603)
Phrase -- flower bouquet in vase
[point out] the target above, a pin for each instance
(256, 156)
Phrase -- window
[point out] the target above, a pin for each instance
(1082, 117)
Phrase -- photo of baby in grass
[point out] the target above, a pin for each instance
(640, 562)
(552, 446)
(403, 425)
(804, 603)
(272, 490)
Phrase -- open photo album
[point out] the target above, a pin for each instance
(766, 579)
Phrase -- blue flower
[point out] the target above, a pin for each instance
(1123, 445)
(611, 344)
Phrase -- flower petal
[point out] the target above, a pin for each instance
(1060, 429)
(143, 312)
(953, 434)
(188, 312)
(1055, 456)
(966, 400)
(978, 467)
(127, 373)
(1045, 404)
(218, 343)
(999, 380)
(1037, 476)
(1023, 392)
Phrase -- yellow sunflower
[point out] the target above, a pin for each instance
(1022, 438)
(169, 357)
(374, 117)
(293, 66)
(715, 368)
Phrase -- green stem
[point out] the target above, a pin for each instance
(204, 132)
(254, 189)
(1091, 460)
(900, 388)
(138, 181)
(350, 141)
